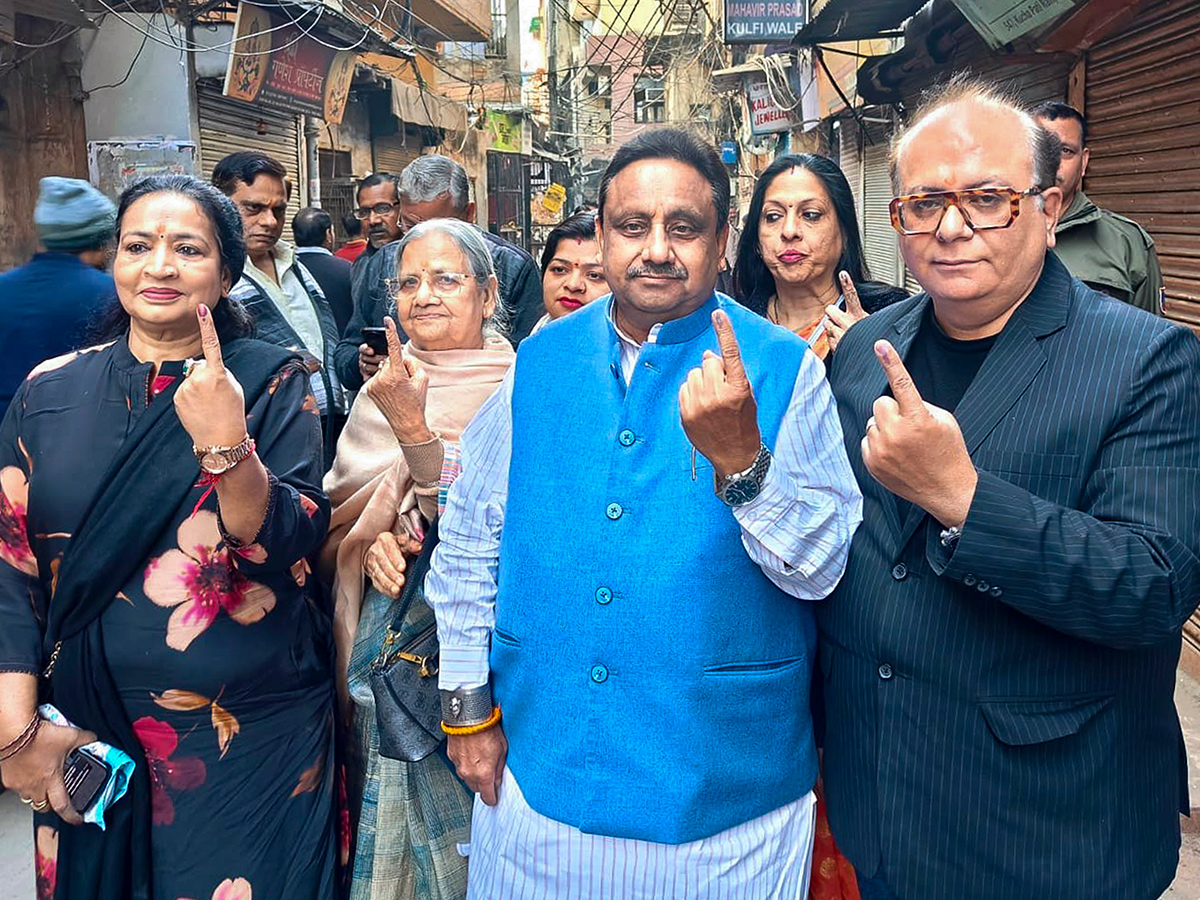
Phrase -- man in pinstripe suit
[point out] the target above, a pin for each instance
(998, 662)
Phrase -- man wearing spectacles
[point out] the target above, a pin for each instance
(999, 658)
(378, 210)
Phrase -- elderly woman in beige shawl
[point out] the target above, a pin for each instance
(397, 452)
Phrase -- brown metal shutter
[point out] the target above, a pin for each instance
(227, 126)
(393, 153)
(1143, 110)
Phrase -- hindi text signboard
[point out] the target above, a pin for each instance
(275, 63)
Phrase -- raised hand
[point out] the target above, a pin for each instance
(399, 390)
(717, 406)
(210, 403)
(915, 449)
(838, 320)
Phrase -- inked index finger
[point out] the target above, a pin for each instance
(209, 340)
(850, 292)
(904, 390)
(730, 351)
(395, 347)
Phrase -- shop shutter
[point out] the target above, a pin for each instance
(880, 245)
(394, 152)
(851, 162)
(227, 126)
(1143, 110)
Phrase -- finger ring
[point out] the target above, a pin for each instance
(26, 801)
(41, 805)
(871, 423)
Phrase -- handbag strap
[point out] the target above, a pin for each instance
(414, 582)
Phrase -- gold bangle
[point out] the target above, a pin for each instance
(463, 730)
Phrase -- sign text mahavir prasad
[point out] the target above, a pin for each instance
(762, 21)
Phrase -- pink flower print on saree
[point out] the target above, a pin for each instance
(159, 742)
(14, 539)
(200, 580)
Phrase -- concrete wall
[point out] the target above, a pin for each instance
(353, 134)
(154, 100)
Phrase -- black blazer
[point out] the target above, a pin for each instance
(333, 275)
(1000, 718)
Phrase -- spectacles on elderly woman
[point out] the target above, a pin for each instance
(447, 285)
(981, 208)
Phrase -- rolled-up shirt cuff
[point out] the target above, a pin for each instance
(462, 667)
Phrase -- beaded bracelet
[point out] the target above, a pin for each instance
(23, 740)
(463, 730)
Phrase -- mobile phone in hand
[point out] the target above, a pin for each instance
(84, 775)
(376, 339)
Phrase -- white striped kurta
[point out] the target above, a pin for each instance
(518, 853)
(797, 530)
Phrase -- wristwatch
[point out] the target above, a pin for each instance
(218, 460)
(740, 488)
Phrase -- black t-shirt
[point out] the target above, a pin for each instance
(942, 368)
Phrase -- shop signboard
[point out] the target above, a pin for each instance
(1000, 22)
(763, 22)
(276, 63)
(766, 115)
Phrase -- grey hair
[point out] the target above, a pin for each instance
(1045, 149)
(474, 249)
(427, 178)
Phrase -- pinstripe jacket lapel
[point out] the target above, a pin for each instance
(1013, 363)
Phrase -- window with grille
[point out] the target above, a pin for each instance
(649, 100)
(497, 45)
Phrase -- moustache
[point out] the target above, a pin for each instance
(677, 272)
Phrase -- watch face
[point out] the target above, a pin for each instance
(214, 463)
(742, 491)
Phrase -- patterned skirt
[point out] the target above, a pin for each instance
(412, 817)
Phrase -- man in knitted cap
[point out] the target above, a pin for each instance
(49, 304)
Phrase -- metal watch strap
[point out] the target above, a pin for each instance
(757, 470)
(467, 706)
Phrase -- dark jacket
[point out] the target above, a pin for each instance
(1110, 253)
(333, 275)
(520, 289)
(1000, 717)
(47, 306)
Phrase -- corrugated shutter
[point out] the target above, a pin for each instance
(227, 126)
(393, 153)
(1143, 110)
(880, 245)
(850, 160)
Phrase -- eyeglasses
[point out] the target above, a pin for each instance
(379, 209)
(981, 208)
(447, 285)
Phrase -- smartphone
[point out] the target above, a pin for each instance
(84, 775)
(376, 339)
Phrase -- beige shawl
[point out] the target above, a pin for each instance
(370, 486)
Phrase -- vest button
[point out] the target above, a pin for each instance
(599, 674)
(996, 592)
(969, 580)
(626, 437)
(983, 587)
(899, 571)
(603, 595)
(885, 671)
(614, 511)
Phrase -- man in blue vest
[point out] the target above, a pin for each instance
(648, 508)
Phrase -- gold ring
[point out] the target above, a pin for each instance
(27, 801)
(41, 805)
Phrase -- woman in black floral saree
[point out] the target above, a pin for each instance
(159, 495)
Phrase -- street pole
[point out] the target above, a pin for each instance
(312, 134)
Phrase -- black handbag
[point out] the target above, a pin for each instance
(408, 708)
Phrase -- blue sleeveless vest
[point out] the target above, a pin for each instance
(654, 682)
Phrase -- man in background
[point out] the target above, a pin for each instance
(1107, 252)
(313, 230)
(378, 209)
(288, 305)
(48, 304)
(356, 243)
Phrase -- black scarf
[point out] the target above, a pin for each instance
(136, 502)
